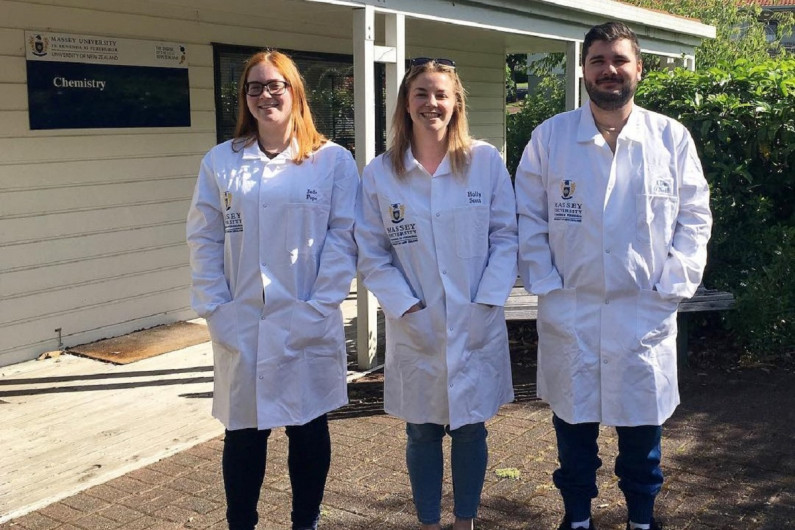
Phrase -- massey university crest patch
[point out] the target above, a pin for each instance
(401, 232)
(567, 188)
(233, 221)
(398, 211)
(568, 210)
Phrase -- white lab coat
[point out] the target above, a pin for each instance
(611, 244)
(449, 242)
(272, 257)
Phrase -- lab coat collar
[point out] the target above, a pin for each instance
(634, 128)
(410, 162)
(253, 151)
(587, 131)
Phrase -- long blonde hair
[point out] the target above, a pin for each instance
(304, 131)
(458, 139)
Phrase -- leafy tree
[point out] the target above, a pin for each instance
(517, 66)
(742, 118)
(548, 99)
(739, 25)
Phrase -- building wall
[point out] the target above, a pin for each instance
(480, 62)
(92, 220)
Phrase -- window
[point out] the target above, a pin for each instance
(329, 87)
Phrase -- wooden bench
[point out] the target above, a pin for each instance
(522, 305)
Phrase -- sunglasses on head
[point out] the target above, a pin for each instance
(419, 61)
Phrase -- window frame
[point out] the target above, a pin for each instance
(223, 52)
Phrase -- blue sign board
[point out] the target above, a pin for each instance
(79, 81)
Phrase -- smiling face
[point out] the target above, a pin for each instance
(611, 71)
(431, 103)
(273, 113)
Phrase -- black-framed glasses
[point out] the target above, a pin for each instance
(274, 88)
(419, 61)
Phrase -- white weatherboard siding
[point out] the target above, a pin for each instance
(92, 220)
(480, 61)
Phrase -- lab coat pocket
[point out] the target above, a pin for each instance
(482, 326)
(305, 227)
(657, 218)
(557, 318)
(416, 333)
(308, 329)
(656, 318)
(472, 231)
(222, 325)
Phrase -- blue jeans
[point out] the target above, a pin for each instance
(469, 455)
(243, 465)
(637, 467)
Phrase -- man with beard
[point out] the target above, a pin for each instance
(614, 221)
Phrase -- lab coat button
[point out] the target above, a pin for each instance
(607, 251)
(444, 271)
(451, 330)
(604, 362)
(438, 214)
(261, 377)
(607, 302)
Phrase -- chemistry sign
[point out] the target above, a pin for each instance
(84, 81)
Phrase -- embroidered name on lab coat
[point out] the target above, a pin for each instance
(474, 197)
(663, 187)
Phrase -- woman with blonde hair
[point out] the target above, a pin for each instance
(270, 232)
(436, 229)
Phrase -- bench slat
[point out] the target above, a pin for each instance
(522, 305)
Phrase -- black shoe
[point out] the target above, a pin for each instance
(566, 524)
(653, 526)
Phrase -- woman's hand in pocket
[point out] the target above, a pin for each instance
(413, 309)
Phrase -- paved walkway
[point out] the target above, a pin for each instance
(728, 456)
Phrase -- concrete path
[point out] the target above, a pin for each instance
(71, 423)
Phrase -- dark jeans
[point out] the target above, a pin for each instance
(243, 463)
(637, 467)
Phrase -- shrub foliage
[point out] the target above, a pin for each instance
(548, 99)
(742, 118)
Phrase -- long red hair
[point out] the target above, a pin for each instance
(309, 139)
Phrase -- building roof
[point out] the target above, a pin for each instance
(772, 3)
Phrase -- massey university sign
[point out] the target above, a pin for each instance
(84, 81)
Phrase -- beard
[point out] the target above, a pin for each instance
(612, 99)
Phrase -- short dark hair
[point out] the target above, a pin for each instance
(609, 32)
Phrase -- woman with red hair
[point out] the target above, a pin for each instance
(272, 257)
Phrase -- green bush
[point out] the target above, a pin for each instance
(742, 118)
(548, 99)
(741, 26)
